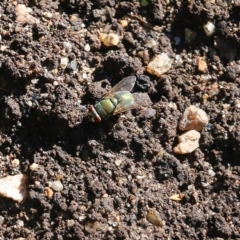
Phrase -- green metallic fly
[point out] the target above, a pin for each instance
(117, 100)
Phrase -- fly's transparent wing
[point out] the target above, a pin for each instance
(126, 84)
(142, 99)
(122, 108)
(135, 101)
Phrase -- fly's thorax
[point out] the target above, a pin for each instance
(106, 106)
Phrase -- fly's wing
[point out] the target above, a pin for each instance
(126, 84)
(142, 99)
(139, 100)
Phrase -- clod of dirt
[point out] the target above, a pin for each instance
(193, 118)
(14, 187)
(159, 64)
(188, 142)
(189, 35)
(109, 40)
(91, 226)
(147, 113)
(201, 65)
(121, 64)
(153, 217)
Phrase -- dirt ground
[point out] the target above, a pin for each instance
(53, 66)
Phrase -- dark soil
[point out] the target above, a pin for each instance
(114, 172)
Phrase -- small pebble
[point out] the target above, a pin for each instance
(15, 162)
(202, 65)
(33, 167)
(48, 15)
(87, 47)
(159, 64)
(177, 40)
(118, 162)
(23, 16)
(188, 142)
(64, 62)
(151, 43)
(123, 23)
(193, 118)
(70, 223)
(1, 220)
(20, 223)
(14, 187)
(57, 186)
(34, 81)
(177, 197)
(73, 65)
(67, 46)
(153, 217)
(109, 40)
(209, 28)
(48, 192)
(211, 173)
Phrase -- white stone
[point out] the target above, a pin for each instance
(87, 47)
(15, 162)
(57, 186)
(209, 28)
(159, 64)
(33, 167)
(14, 187)
(64, 62)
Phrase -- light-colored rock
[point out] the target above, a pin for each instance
(109, 40)
(188, 142)
(209, 28)
(193, 118)
(202, 65)
(70, 223)
(15, 162)
(64, 62)
(24, 16)
(1, 220)
(48, 192)
(154, 218)
(57, 186)
(124, 23)
(33, 167)
(159, 64)
(87, 47)
(14, 187)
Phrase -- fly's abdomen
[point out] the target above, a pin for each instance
(105, 107)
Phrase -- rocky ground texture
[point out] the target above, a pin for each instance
(122, 178)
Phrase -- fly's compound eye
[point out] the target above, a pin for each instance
(93, 115)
